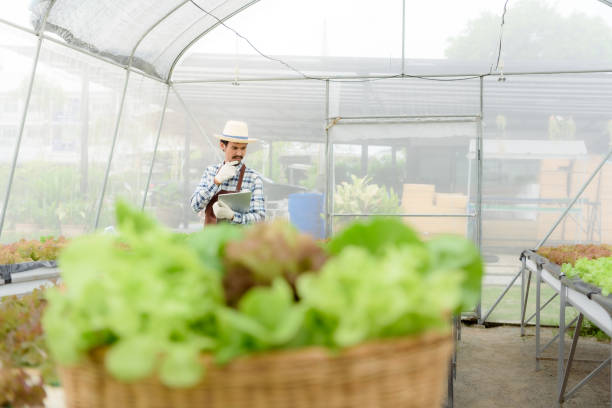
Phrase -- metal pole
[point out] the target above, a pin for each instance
(479, 183)
(537, 335)
(526, 300)
(523, 302)
(571, 204)
(587, 378)
(606, 2)
(484, 319)
(24, 116)
(403, 35)
(159, 130)
(195, 121)
(570, 359)
(112, 149)
(391, 76)
(329, 186)
(17, 26)
(561, 360)
(469, 179)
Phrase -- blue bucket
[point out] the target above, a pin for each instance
(306, 213)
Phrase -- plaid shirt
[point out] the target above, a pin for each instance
(250, 182)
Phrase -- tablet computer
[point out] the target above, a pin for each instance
(240, 201)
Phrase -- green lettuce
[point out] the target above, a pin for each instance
(375, 236)
(143, 293)
(155, 299)
(595, 271)
(358, 296)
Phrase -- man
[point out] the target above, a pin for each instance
(230, 176)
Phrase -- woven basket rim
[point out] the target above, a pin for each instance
(96, 356)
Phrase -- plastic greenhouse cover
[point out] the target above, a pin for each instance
(158, 33)
(591, 291)
(116, 29)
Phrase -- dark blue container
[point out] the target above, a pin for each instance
(306, 213)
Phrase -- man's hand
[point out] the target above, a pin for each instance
(222, 211)
(227, 171)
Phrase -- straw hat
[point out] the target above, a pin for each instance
(235, 131)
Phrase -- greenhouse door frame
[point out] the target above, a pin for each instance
(330, 213)
(330, 122)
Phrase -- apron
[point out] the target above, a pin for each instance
(208, 212)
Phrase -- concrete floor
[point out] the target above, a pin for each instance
(496, 368)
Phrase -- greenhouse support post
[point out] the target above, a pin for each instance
(24, 114)
(563, 373)
(159, 130)
(523, 294)
(479, 182)
(329, 185)
(403, 35)
(112, 149)
(270, 158)
(561, 348)
(197, 124)
(537, 335)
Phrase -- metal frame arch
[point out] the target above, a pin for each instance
(42, 27)
(148, 31)
(202, 34)
(163, 50)
(120, 113)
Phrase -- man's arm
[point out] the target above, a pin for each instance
(205, 190)
(257, 210)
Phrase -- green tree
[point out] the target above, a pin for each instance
(534, 30)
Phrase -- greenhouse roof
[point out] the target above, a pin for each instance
(152, 36)
(148, 35)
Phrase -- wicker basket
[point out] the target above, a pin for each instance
(407, 372)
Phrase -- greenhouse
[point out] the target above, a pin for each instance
(430, 184)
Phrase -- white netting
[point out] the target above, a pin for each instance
(65, 145)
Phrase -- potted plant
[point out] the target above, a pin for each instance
(362, 197)
(259, 316)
